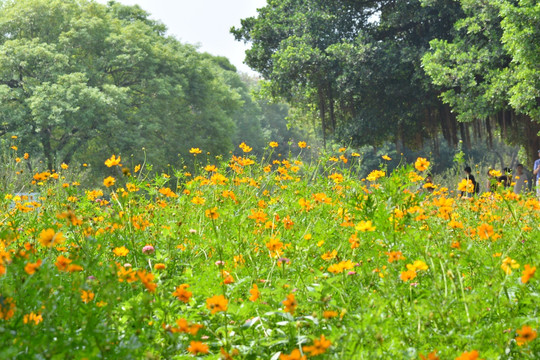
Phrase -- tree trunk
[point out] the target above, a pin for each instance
(322, 112)
(47, 149)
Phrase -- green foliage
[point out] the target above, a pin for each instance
(77, 77)
(377, 268)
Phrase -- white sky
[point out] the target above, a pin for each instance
(204, 22)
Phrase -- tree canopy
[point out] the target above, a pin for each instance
(78, 77)
(403, 71)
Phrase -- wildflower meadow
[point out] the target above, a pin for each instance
(276, 257)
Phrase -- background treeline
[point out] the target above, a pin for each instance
(404, 71)
(81, 80)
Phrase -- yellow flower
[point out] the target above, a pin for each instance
(421, 164)
(64, 166)
(302, 144)
(109, 181)
(245, 148)
(49, 238)
(120, 251)
(386, 157)
(508, 264)
(211, 213)
(195, 151)
(273, 144)
(113, 161)
(36, 318)
(417, 265)
(374, 175)
(466, 185)
(365, 226)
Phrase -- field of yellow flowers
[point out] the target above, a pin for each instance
(277, 258)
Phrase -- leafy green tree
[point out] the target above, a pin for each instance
(364, 76)
(489, 69)
(78, 78)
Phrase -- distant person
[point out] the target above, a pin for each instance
(506, 178)
(470, 176)
(536, 172)
(428, 183)
(520, 180)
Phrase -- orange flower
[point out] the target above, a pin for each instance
(431, 356)
(159, 266)
(421, 164)
(36, 318)
(394, 256)
(528, 273)
(211, 213)
(49, 238)
(526, 334)
(217, 303)
(62, 263)
(197, 347)
(31, 268)
(472, 355)
(74, 267)
(274, 244)
(182, 293)
(407, 275)
(255, 293)
(146, 279)
(319, 346)
(87, 296)
(328, 314)
(485, 231)
(294, 355)
(290, 304)
(185, 327)
(7, 308)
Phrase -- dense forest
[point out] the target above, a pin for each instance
(78, 78)
(404, 71)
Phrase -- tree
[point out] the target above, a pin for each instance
(77, 77)
(358, 63)
(489, 70)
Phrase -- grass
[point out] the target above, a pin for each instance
(266, 259)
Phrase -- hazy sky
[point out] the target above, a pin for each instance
(204, 22)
